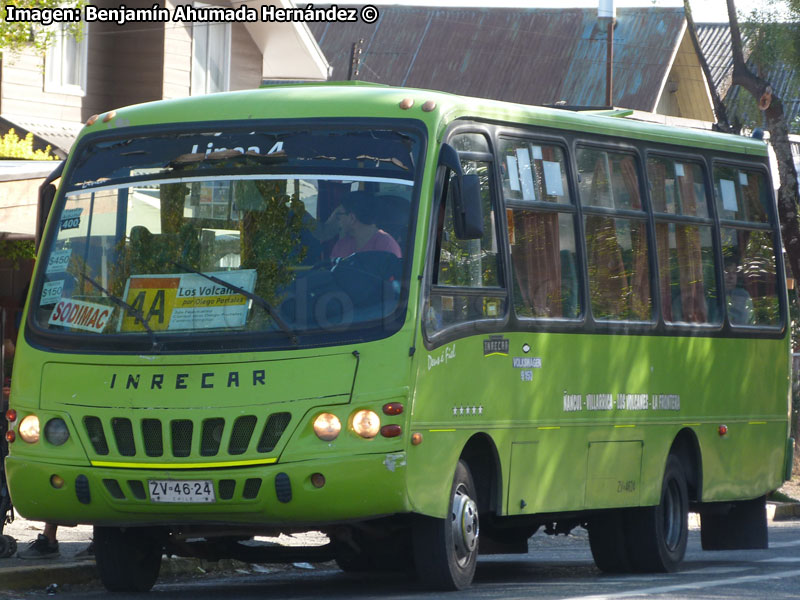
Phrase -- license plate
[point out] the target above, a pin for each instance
(196, 491)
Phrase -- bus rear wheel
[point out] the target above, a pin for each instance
(607, 540)
(128, 560)
(659, 533)
(446, 550)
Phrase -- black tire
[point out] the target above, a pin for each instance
(446, 550)
(607, 539)
(8, 546)
(128, 560)
(390, 553)
(659, 533)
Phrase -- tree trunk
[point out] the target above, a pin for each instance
(778, 129)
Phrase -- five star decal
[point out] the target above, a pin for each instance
(467, 411)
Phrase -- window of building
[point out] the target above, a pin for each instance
(65, 61)
(211, 57)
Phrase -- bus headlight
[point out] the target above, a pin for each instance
(29, 429)
(327, 426)
(56, 432)
(366, 423)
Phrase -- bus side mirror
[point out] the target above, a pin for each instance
(465, 191)
(47, 191)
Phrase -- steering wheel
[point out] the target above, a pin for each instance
(383, 266)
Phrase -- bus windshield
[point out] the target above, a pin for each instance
(287, 237)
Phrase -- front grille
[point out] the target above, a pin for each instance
(135, 490)
(97, 437)
(181, 437)
(226, 489)
(123, 433)
(152, 437)
(212, 436)
(273, 430)
(240, 436)
(204, 436)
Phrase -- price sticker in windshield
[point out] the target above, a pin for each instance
(51, 292)
(71, 218)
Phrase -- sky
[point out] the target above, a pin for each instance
(703, 11)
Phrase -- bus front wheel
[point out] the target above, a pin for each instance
(128, 560)
(446, 550)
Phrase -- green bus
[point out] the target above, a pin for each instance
(423, 324)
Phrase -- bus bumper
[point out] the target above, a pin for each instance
(355, 488)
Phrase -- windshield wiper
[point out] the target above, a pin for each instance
(131, 310)
(254, 297)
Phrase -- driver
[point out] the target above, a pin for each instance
(357, 229)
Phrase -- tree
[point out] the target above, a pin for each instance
(771, 44)
(16, 36)
(12, 146)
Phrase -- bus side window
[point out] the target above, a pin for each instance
(542, 236)
(467, 282)
(685, 250)
(748, 249)
(616, 245)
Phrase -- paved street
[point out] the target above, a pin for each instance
(554, 568)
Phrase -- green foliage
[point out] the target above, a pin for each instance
(12, 146)
(18, 36)
(772, 32)
(17, 250)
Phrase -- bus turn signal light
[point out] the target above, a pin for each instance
(391, 431)
(10, 436)
(11, 415)
(393, 408)
(416, 438)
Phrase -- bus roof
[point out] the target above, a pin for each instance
(360, 99)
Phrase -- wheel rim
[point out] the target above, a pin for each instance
(673, 515)
(464, 522)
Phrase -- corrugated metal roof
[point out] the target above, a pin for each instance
(526, 55)
(715, 43)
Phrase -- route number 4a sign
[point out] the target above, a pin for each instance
(187, 302)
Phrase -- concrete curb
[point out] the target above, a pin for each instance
(84, 571)
(785, 511)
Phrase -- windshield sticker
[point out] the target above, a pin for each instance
(552, 178)
(187, 301)
(728, 190)
(51, 292)
(71, 218)
(81, 315)
(58, 261)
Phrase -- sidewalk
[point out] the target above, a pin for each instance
(18, 574)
